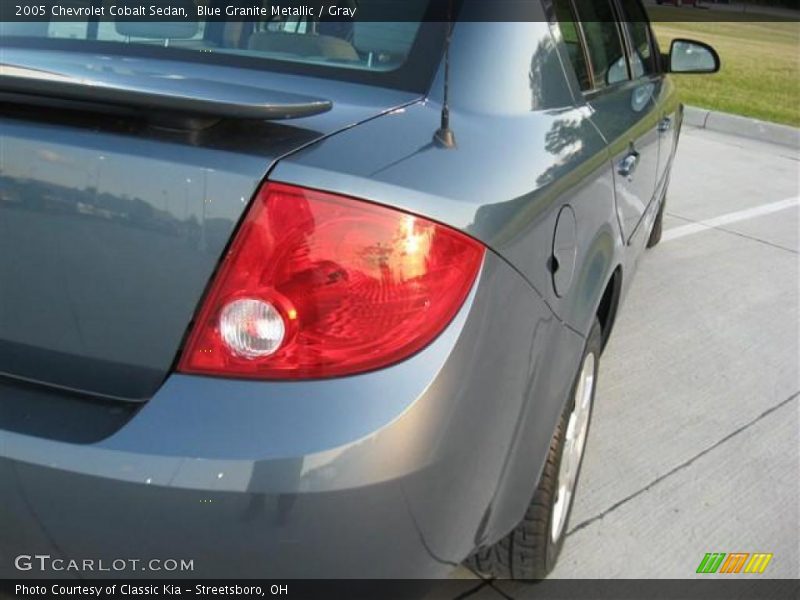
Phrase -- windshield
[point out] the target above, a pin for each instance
(353, 45)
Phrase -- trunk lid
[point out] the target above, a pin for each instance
(110, 229)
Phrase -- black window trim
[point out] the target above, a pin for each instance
(625, 35)
(595, 91)
(630, 48)
(583, 44)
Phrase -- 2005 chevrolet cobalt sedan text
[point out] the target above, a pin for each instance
(300, 298)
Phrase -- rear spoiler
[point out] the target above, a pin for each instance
(167, 99)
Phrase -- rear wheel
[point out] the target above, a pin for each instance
(658, 224)
(531, 549)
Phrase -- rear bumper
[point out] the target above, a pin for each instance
(396, 473)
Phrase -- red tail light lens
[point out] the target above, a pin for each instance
(319, 285)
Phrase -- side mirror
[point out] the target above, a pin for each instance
(688, 56)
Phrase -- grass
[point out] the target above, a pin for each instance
(760, 74)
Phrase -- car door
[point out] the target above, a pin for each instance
(621, 93)
(645, 65)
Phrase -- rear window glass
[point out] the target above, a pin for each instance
(572, 39)
(602, 35)
(644, 59)
(248, 32)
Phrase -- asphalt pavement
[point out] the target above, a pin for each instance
(694, 445)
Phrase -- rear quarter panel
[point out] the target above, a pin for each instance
(525, 148)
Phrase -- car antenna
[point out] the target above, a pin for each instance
(444, 136)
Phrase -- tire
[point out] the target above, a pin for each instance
(531, 549)
(655, 233)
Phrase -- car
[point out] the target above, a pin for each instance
(317, 298)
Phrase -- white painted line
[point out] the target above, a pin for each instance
(742, 215)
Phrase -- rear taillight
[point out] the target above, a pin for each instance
(321, 285)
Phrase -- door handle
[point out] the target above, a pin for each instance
(628, 164)
(665, 125)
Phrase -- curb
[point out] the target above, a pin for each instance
(712, 120)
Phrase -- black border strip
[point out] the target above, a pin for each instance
(398, 10)
(743, 587)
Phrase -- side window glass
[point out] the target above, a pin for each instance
(643, 60)
(604, 44)
(571, 36)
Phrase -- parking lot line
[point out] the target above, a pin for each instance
(741, 215)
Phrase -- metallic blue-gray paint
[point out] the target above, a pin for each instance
(398, 472)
